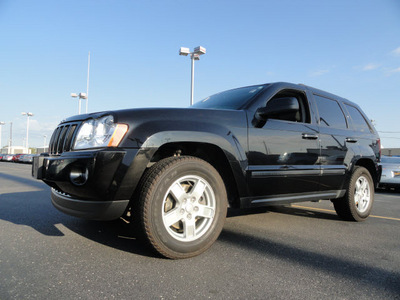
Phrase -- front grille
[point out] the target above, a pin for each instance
(62, 138)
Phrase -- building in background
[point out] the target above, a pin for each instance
(15, 150)
(391, 151)
(42, 150)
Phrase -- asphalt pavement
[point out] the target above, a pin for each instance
(302, 251)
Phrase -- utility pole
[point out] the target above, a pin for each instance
(10, 140)
(1, 129)
(87, 83)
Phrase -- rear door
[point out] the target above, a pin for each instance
(338, 146)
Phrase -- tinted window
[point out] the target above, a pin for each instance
(359, 122)
(300, 115)
(330, 113)
(293, 116)
(232, 99)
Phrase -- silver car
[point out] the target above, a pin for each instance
(27, 158)
(390, 172)
(8, 157)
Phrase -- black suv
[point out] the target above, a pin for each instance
(175, 171)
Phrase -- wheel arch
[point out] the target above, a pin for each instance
(371, 167)
(210, 153)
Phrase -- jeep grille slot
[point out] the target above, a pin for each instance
(62, 137)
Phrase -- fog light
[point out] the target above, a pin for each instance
(79, 175)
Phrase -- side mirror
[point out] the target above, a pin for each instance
(281, 106)
(276, 107)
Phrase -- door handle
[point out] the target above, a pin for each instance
(309, 136)
(351, 140)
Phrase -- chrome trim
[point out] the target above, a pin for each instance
(298, 198)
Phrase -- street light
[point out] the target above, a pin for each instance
(1, 128)
(44, 142)
(84, 95)
(195, 55)
(79, 96)
(28, 114)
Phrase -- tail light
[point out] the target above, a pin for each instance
(378, 142)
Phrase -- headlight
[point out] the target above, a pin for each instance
(102, 132)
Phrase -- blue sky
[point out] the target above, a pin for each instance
(347, 47)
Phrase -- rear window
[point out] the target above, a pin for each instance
(330, 113)
(232, 99)
(359, 123)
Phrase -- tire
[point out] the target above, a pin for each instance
(182, 206)
(357, 203)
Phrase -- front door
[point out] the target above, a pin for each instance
(284, 152)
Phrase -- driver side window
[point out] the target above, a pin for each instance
(302, 114)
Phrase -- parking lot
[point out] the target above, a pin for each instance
(302, 251)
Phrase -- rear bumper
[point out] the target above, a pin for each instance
(389, 184)
(390, 178)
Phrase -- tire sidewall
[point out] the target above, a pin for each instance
(360, 172)
(170, 175)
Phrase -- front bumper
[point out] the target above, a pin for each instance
(92, 210)
(86, 183)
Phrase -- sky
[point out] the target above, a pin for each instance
(347, 47)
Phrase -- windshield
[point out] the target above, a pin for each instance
(390, 160)
(232, 99)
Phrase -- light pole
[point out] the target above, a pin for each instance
(44, 142)
(84, 95)
(28, 114)
(87, 83)
(1, 128)
(195, 55)
(79, 96)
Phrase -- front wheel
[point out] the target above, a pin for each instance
(356, 205)
(182, 206)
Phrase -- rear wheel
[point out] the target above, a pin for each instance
(356, 205)
(182, 206)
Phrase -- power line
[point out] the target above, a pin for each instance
(389, 137)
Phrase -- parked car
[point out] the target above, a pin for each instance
(27, 158)
(390, 172)
(8, 157)
(177, 170)
(16, 157)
